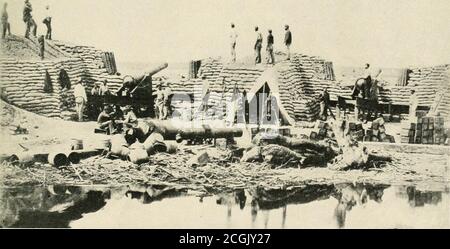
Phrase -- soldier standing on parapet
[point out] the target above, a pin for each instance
(258, 45)
(28, 19)
(233, 40)
(48, 22)
(288, 41)
(269, 49)
(5, 23)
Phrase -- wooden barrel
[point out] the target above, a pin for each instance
(76, 144)
(58, 159)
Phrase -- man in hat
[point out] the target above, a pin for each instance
(79, 92)
(413, 104)
(96, 89)
(269, 49)
(367, 75)
(288, 41)
(5, 24)
(233, 40)
(258, 45)
(28, 19)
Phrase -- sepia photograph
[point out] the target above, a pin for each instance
(225, 114)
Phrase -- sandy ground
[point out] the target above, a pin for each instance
(428, 171)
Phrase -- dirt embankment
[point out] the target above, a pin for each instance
(12, 47)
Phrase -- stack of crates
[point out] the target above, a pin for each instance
(428, 130)
(377, 132)
(323, 130)
(357, 131)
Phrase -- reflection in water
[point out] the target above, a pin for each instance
(54, 206)
(417, 198)
(344, 205)
(350, 195)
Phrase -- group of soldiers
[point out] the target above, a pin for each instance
(28, 19)
(31, 26)
(162, 103)
(100, 89)
(259, 44)
(112, 118)
(115, 119)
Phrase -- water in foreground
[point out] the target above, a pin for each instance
(310, 206)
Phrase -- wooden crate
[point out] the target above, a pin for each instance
(419, 126)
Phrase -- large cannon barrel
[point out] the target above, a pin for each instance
(170, 132)
(157, 69)
(132, 82)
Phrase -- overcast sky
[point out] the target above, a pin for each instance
(348, 32)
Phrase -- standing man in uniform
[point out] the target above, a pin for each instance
(368, 78)
(269, 49)
(288, 41)
(159, 100)
(324, 99)
(413, 103)
(80, 99)
(233, 40)
(28, 19)
(48, 22)
(166, 103)
(5, 23)
(258, 45)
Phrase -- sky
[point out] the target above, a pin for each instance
(385, 33)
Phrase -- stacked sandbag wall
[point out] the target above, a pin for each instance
(23, 84)
(22, 81)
